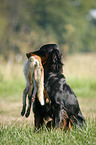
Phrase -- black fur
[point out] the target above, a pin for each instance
(61, 95)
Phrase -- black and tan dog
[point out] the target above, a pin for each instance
(61, 95)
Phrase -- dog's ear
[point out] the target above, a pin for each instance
(54, 61)
(57, 56)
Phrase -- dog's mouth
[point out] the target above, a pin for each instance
(43, 58)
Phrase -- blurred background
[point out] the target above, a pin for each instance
(26, 25)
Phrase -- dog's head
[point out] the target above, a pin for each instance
(51, 57)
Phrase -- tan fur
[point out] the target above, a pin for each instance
(34, 75)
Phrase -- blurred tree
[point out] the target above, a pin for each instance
(26, 25)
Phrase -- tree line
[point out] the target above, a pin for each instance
(26, 25)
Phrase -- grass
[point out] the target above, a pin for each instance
(15, 129)
(17, 133)
(83, 87)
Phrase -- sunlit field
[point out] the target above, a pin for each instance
(80, 73)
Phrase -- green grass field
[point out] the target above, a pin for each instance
(80, 73)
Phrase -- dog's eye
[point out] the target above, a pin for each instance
(43, 52)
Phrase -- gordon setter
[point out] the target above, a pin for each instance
(61, 95)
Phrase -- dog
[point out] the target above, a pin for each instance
(61, 95)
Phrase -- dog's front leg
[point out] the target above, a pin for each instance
(38, 114)
(57, 116)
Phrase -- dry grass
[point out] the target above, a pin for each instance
(80, 65)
